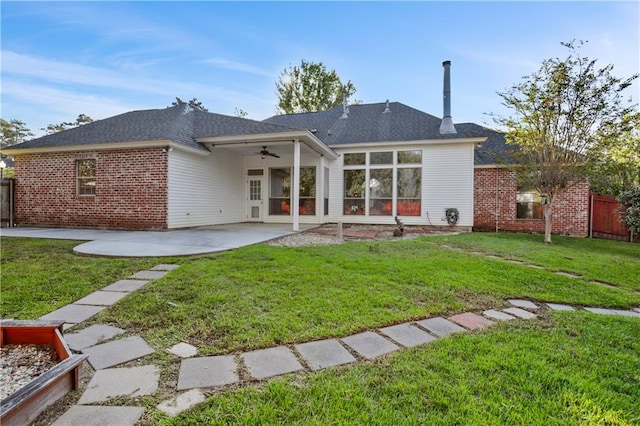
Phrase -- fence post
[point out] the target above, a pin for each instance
(591, 216)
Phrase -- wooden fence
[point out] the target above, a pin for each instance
(604, 221)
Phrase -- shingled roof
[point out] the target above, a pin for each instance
(180, 124)
(492, 151)
(366, 123)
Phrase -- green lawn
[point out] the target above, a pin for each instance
(562, 368)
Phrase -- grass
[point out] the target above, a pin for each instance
(562, 368)
(39, 276)
(570, 369)
(262, 296)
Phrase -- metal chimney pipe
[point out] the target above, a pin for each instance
(446, 126)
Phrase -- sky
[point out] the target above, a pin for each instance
(62, 59)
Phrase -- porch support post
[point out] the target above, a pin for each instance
(296, 185)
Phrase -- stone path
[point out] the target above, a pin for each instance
(215, 372)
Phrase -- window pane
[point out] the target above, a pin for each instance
(280, 189)
(410, 157)
(355, 159)
(528, 205)
(354, 187)
(380, 192)
(255, 172)
(381, 158)
(326, 190)
(409, 192)
(86, 175)
(307, 182)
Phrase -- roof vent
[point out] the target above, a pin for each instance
(446, 126)
(345, 106)
(386, 108)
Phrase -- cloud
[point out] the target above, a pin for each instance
(236, 66)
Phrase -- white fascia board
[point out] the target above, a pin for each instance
(279, 138)
(106, 147)
(476, 141)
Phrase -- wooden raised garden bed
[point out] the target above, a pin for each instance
(25, 404)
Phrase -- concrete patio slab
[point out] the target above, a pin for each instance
(133, 381)
(125, 285)
(183, 350)
(165, 267)
(407, 335)
(370, 345)
(520, 313)
(324, 353)
(100, 416)
(101, 298)
(498, 315)
(558, 307)
(524, 304)
(117, 352)
(149, 275)
(207, 372)
(271, 362)
(440, 326)
(174, 406)
(91, 335)
(73, 314)
(471, 320)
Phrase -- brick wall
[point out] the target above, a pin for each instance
(131, 190)
(495, 190)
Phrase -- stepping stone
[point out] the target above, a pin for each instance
(149, 275)
(73, 314)
(407, 335)
(101, 298)
(207, 372)
(100, 416)
(557, 307)
(603, 284)
(637, 309)
(625, 313)
(567, 274)
(369, 344)
(497, 315)
(91, 336)
(67, 325)
(520, 313)
(324, 353)
(471, 320)
(440, 326)
(174, 406)
(600, 311)
(165, 267)
(528, 265)
(134, 381)
(525, 304)
(515, 262)
(183, 350)
(125, 285)
(117, 352)
(271, 362)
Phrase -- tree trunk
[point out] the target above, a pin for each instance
(546, 210)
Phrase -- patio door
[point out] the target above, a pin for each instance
(255, 195)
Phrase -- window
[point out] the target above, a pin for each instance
(377, 182)
(86, 174)
(381, 192)
(326, 190)
(409, 191)
(354, 192)
(280, 191)
(529, 205)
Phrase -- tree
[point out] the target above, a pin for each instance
(13, 131)
(630, 212)
(615, 164)
(239, 112)
(193, 103)
(81, 120)
(560, 112)
(310, 87)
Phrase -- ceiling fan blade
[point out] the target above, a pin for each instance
(273, 155)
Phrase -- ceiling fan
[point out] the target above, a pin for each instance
(264, 153)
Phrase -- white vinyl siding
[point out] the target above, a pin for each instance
(205, 190)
